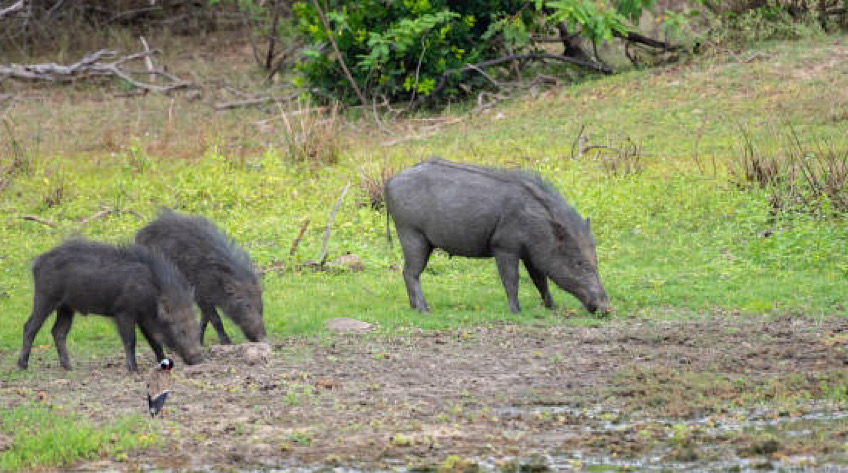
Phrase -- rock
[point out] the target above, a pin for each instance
(253, 353)
(348, 325)
(349, 261)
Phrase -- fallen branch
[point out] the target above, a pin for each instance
(252, 102)
(492, 62)
(43, 221)
(323, 258)
(12, 9)
(148, 61)
(94, 65)
(634, 37)
(299, 237)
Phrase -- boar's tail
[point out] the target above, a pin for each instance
(388, 229)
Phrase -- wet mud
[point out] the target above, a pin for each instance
(726, 392)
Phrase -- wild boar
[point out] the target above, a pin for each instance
(220, 271)
(128, 283)
(483, 212)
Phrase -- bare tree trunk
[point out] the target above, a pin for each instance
(272, 40)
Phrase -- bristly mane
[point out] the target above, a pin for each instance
(169, 280)
(235, 255)
(541, 189)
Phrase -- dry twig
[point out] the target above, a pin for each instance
(323, 258)
(43, 221)
(299, 237)
(252, 102)
(329, 31)
(96, 216)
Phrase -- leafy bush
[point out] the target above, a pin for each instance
(401, 50)
(395, 49)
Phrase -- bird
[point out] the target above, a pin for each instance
(158, 386)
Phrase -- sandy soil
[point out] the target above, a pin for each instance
(728, 390)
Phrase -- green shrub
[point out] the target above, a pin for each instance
(401, 50)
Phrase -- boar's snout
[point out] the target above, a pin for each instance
(598, 302)
(193, 358)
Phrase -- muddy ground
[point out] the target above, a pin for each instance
(720, 392)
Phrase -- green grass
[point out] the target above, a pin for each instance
(43, 435)
(678, 239)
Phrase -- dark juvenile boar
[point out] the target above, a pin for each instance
(483, 212)
(221, 272)
(128, 283)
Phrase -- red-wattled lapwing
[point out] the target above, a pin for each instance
(158, 386)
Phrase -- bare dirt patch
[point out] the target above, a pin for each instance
(719, 391)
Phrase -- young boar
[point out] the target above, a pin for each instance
(221, 272)
(483, 212)
(128, 283)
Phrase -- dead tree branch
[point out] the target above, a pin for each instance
(323, 258)
(253, 101)
(12, 9)
(94, 65)
(516, 57)
(634, 37)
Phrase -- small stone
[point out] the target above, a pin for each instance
(350, 261)
(346, 324)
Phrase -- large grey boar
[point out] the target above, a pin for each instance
(131, 284)
(483, 212)
(221, 272)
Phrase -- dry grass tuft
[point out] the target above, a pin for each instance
(802, 178)
(311, 134)
(374, 185)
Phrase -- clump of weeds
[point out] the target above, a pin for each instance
(797, 177)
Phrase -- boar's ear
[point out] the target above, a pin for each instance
(588, 226)
(230, 288)
(559, 230)
(163, 307)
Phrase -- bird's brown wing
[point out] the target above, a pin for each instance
(158, 383)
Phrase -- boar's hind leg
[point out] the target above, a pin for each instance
(416, 253)
(41, 309)
(541, 282)
(126, 328)
(208, 314)
(64, 318)
(508, 270)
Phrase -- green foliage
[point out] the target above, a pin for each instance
(401, 50)
(397, 49)
(42, 436)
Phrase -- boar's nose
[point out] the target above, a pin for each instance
(600, 302)
(194, 358)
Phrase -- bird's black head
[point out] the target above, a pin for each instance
(166, 364)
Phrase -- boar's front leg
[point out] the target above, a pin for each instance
(158, 351)
(126, 328)
(508, 270)
(208, 315)
(64, 318)
(541, 283)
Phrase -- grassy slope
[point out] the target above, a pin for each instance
(673, 239)
(677, 239)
